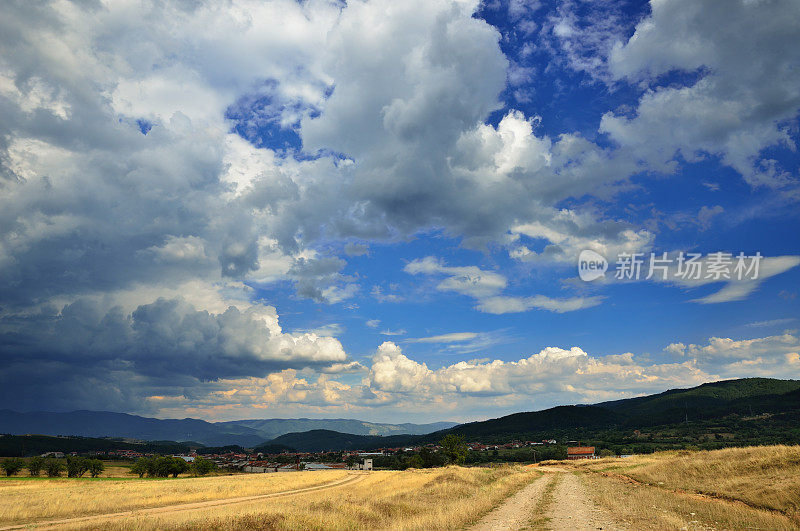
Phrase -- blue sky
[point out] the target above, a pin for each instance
(375, 210)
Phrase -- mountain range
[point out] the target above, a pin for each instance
(750, 410)
(245, 433)
(751, 405)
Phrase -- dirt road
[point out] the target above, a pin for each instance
(573, 508)
(347, 480)
(517, 511)
(558, 500)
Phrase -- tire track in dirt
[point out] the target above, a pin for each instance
(573, 508)
(349, 479)
(517, 510)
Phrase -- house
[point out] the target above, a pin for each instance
(366, 465)
(580, 452)
(57, 455)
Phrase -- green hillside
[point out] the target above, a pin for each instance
(327, 440)
(28, 445)
(745, 411)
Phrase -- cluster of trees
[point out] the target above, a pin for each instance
(166, 466)
(74, 466)
(453, 451)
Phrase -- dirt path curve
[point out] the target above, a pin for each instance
(573, 508)
(347, 480)
(516, 512)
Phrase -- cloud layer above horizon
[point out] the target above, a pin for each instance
(178, 180)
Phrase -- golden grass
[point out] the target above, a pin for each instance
(647, 507)
(760, 476)
(27, 499)
(445, 498)
(753, 487)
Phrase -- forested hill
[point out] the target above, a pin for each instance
(747, 406)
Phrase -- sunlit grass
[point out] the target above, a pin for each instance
(445, 498)
(756, 487)
(23, 499)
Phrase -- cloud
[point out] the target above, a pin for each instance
(446, 338)
(575, 374)
(552, 371)
(320, 279)
(730, 48)
(705, 215)
(396, 382)
(735, 290)
(740, 274)
(388, 332)
(569, 232)
(771, 322)
(503, 304)
(162, 344)
(466, 342)
(470, 280)
(485, 286)
(161, 163)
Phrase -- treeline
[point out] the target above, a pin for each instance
(452, 451)
(166, 466)
(28, 445)
(74, 466)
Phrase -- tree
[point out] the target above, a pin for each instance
(201, 466)
(35, 465)
(351, 461)
(454, 448)
(141, 466)
(415, 461)
(96, 467)
(54, 467)
(12, 465)
(605, 452)
(178, 466)
(77, 466)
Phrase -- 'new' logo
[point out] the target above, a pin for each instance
(591, 265)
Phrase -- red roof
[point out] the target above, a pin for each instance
(580, 450)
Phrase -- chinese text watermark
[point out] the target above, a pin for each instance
(663, 266)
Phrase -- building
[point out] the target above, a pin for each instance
(580, 452)
(366, 465)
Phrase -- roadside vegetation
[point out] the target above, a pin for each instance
(438, 498)
(166, 466)
(755, 487)
(22, 500)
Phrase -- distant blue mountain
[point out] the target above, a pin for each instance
(246, 433)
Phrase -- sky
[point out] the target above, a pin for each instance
(376, 209)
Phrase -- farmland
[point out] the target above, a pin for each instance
(433, 498)
(754, 487)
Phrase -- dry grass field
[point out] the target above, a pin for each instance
(445, 498)
(743, 488)
(29, 499)
(755, 487)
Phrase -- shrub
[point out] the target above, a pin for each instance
(12, 465)
(454, 448)
(35, 465)
(141, 466)
(77, 466)
(54, 467)
(96, 467)
(201, 466)
(178, 466)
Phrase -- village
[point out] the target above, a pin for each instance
(251, 461)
